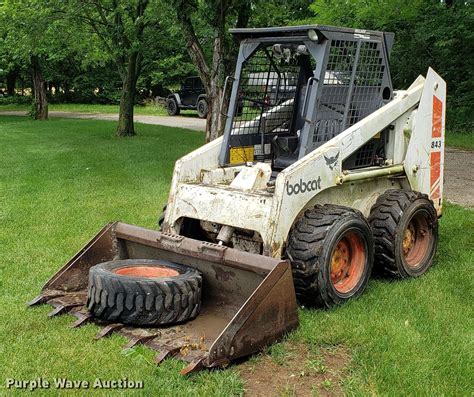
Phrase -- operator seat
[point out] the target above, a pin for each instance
(285, 149)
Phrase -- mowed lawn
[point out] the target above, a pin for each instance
(148, 110)
(62, 180)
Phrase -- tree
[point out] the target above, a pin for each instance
(33, 35)
(210, 62)
(427, 33)
(26, 34)
(122, 28)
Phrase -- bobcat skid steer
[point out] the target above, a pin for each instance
(323, 171)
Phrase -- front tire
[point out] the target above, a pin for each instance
(172, 107)
(405, 228)
(202, 108)
(331, 252)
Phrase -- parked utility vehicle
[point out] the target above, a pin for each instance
(191, 95)
(317, 178)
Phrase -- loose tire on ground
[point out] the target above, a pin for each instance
(172, 107)
(144, 292)
(405, 228)
(331, 253)
(202, 108)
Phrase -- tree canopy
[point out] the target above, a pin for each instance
(428, 33)
(117, 51)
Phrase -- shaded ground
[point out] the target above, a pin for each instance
(296, 370)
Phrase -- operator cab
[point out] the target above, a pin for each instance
(296, 88)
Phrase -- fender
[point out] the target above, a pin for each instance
(176, 97)
(202, 96)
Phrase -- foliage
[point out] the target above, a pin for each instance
(14, 100)
(79, 68)
(31, 28)
(460, 140)
(427, 33)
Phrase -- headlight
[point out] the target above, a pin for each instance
(313, 35)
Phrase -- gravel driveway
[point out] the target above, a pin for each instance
(459, 164)
(459, 177)
(191, 123)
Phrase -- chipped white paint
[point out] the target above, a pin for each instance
(422, 144)
(254, 178)
(200, 190)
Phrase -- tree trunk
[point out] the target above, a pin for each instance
(212, 75)
(40, 101)
(216, 116)
(11, 81)
(127, 99)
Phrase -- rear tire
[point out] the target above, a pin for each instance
(144, 292)
(331, 252)
(202, 108)
(172, 107)
(405, 228)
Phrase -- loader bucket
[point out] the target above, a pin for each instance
(248, 300)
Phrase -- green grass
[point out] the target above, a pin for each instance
(412, 337)
(88, 108)
(460, 140)
(61, 180)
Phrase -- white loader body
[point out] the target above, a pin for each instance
(202, 190)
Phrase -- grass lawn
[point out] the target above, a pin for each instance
(89, 108)
(62, 180)
(460, 140)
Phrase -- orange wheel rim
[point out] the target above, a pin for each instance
(416, 240)
(146, 271)
(347, 262)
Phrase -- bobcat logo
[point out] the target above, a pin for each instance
(303, 187)
(331, 162)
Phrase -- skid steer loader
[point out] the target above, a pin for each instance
(323, 169)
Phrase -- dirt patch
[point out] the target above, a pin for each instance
(294, 369)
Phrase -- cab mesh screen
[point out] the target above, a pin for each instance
(266, 99)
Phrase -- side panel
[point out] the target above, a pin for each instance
(223, 205)
(360, 194)
(424, 160)
(298, 184)
(189, 169)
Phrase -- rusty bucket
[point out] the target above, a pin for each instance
(248, 300)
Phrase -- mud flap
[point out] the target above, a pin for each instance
(248, 300)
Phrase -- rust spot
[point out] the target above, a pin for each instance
(223, 275)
